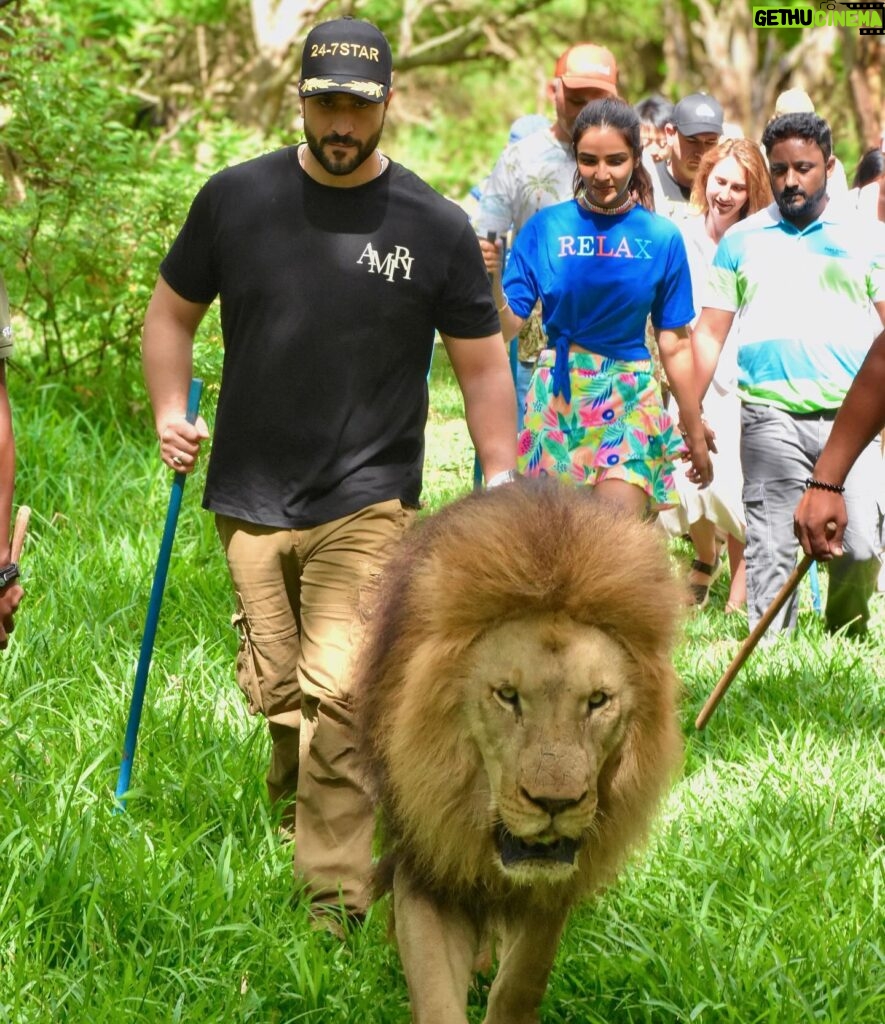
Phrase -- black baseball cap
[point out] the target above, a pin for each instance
(346, 55)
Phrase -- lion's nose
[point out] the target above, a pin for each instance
(552, 805)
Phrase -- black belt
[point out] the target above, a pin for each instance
(820, 414)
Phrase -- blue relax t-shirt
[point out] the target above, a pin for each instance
(599, 277)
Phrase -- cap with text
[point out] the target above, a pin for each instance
(587, 66)
(346, 55)
(698, 114)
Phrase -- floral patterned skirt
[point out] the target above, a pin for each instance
(615, 428)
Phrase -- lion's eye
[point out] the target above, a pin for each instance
(597, 700)
(508, 696)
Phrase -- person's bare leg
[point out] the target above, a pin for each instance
(629, 497)
(706, 547)
(737, 594)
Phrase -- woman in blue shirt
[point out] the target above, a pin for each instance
(601, 263)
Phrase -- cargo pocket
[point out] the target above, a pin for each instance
(267, 668)
(403, 518)
(247, 678)
(757, 515)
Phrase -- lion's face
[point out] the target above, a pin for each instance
(547, 701)
(518, 708)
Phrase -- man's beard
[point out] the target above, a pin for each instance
(801, 210)
(357, 152)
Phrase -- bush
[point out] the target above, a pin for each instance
(81, 249)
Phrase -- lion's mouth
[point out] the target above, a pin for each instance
(515, 851)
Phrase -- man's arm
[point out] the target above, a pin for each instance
(707, 338)
(12, 593)
(483, 373)
(861, 416)
(511, 324)
(167, 346)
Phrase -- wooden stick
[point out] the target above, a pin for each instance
(19, 530)
(749, 644)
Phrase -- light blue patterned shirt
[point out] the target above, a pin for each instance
(803, 301)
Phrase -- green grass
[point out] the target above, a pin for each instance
(759, 899)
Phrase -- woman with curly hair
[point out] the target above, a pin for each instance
(732, 183)
(600, 264)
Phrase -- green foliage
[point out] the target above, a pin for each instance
(80, 252)
(456, 146)
(450, 126)
(124, 20)
(101, 204)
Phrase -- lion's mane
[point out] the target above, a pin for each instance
(515, 551)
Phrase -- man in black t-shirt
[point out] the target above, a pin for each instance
(334, 266)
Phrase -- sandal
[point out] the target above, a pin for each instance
(701, 591)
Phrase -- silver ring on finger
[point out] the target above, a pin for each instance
(177, 460)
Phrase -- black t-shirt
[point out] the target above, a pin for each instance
(329, 301)
(672, 189)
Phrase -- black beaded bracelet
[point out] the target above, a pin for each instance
(8, 573)
(821, 485)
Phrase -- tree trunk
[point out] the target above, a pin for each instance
(278, 26)
(9, 170)
(864, 57)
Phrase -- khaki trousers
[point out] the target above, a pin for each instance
(298, 595)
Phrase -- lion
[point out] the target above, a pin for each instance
(517, 713)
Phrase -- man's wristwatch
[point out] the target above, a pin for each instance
(506, 476)
(8, 573)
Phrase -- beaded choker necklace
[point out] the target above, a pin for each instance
(610, 211)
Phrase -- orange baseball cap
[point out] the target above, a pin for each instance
(588, 66)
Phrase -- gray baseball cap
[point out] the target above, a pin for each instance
(698, 114)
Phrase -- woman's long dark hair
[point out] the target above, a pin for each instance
(612, 112)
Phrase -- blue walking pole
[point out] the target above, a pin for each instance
(153, 613)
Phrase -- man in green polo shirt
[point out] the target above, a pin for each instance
(799, 288)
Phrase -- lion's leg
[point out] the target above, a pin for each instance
(437, 948)
(528, 949)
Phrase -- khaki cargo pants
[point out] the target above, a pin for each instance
(297, 598)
